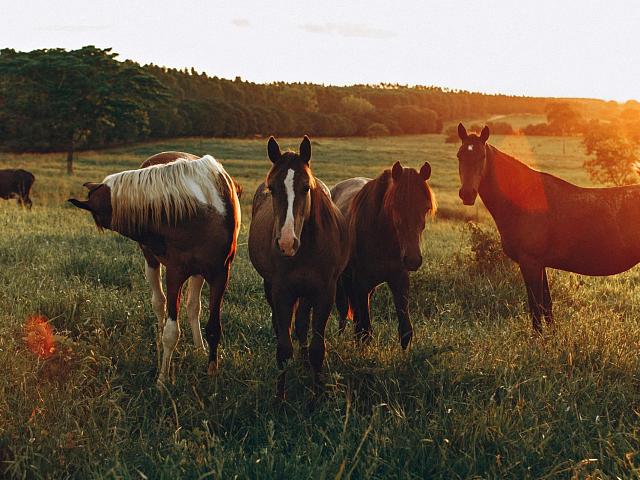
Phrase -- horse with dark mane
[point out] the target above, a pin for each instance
(297, 243)
(386, 218)
(546, 222)
(184, 212)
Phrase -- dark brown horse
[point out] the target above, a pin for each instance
(16, 183)
(184, 212)
(546, 222)
(297, 243)
(386, 218)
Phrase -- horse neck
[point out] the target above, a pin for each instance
(497, 195)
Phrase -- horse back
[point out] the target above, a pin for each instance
(166, 157)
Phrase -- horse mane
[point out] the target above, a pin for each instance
(168, 193)
(323, 210)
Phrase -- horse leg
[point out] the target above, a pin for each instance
(171, 330)
(193, 309)
(344, 298)
(303, 314)
(400, 289)
(362, 300)
(532, 273)
(547, 303)
(213, 330)
(153, 274)
(284, 303)
(268, 295)
(321, 310)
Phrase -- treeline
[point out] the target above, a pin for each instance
(55, 99)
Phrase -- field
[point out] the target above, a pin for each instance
(475, 396)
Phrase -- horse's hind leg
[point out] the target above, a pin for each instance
(213, 331)
(303, 317)
(153, 274)
(193, 309)
(171, 330)
(547, 303)
(400, 290)
(532, 273)
(28, 202)
(362, 300)
(342, 300)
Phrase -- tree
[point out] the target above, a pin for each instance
(75, 95)
(614, 156)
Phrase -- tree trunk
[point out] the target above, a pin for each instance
(70, 159)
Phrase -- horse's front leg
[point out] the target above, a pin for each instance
(303, 315)
(213, 330)
(283, 304)
(171, 330)
(152, 272)
(547, 303)
(399, 286)
(532, 273)
(322, 305)
(362, 319)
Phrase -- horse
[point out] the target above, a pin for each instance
(386, 217)
(297, 241)
(16, 183)
(546, 222)
(184, 212)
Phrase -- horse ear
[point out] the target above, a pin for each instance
(274, 150)
(80, 204)
(484, 134)
(396, 171)
(305, 150)
(462, 132)
(425, 171)
(91, 186)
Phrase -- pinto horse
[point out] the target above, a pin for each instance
(386, 218)
(546, 222)
(297, 242)
(184, 212)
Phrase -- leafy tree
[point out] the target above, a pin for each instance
(74, 95)
(614, 156)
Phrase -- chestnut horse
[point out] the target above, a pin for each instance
(386, 218)
(546, 222)
(184, 212)
(297, 243)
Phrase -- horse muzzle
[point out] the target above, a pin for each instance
(412, 262)
(288, 247)
(468, 196)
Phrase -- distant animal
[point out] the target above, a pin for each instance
(546, 222)
(184, 212)
(297, 243)
(16, 183)
(386, 218)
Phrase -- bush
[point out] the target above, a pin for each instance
(451, 135)
(501, 128)
(486, 247)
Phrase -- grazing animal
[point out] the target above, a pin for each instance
(297, 242)
(386, 218)
(185, 214)
(546, 222)
(16, 184)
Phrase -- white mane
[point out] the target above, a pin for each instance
(175, 190)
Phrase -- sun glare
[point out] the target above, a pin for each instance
(39, 336)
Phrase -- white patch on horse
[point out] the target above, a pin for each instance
(470, 148)
(216, 199)
(288, 227)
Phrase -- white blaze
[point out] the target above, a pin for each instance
(288, 234)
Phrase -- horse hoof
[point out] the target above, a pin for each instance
(212, 368)
(405, 340)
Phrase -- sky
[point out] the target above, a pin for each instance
(554, 48)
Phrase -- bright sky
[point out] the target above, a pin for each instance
(542, 48)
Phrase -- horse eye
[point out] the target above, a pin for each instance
(306, 188)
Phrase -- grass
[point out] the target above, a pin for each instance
(475, 396)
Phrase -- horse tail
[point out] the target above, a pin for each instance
(343, 300)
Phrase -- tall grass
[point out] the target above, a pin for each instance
(475, 396)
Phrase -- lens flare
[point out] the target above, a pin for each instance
(39, 336)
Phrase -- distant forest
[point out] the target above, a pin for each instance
(54, 99)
